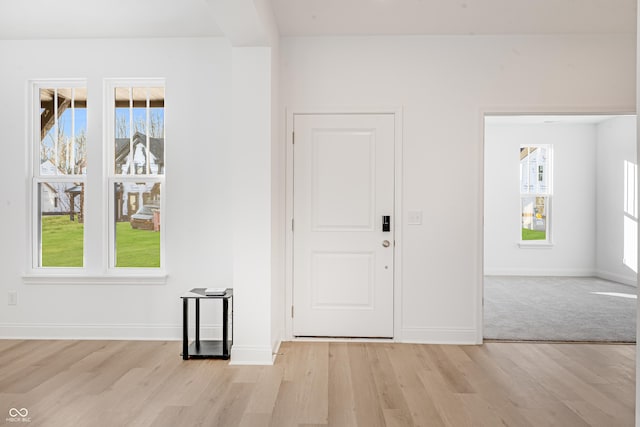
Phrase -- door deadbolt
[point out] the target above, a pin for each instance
(386, 223)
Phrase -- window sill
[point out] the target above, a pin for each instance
(83, 279)
(535, 245)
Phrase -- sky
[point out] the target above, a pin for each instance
(81, 119)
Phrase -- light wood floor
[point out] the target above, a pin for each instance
(116, 383)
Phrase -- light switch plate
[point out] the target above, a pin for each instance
(13, 298)
(414, 217)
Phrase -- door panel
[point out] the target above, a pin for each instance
(341, 157)
(343, 185)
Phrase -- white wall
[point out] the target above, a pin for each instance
(252, 204)
(616, 143)
(198, 214)
(444, 85)
(572, 216)
(637, 104)
(278, 208)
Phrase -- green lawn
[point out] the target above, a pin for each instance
(533, 234)
(62, 244)
(136, 248)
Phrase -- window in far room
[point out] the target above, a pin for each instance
(630, 254)
(535, 192)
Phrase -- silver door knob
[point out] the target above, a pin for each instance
(386, 243)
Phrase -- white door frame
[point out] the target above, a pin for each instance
(516, 111)
(397, 209)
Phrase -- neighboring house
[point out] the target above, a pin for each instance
(130, 197)
(57, 197)
(50, 199)
(139, 144)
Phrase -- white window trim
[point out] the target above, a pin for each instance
(86, 279)
(34, 177)
(98, 271)
(111, 177)
(535, 244)
(548, 242)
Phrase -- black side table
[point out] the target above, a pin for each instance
(216, 349)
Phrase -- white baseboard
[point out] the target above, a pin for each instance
(251, 355)
(614, 277)
(128, 332)
(576, 272)
(439, 336)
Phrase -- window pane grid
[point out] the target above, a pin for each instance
(59, 177)
(63, 127)
(58, 174)
(60, 223)
(137, 177)
(137, 230)
(143, 125)
(630, 189)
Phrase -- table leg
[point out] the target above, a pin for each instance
(185, 329)
(225, 326)
(198, 323)
(233, 337)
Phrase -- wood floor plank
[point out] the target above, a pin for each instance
(367, 408)
(252, 419)
(447, 404)
(563, 377)
(555, 414)
(342, 404)
(389, 390)
(263, 399)
(351, 384)
(406, 365)
(315, 403)
(483, 413)
(595, 415)
(449, 370)
(534, 402)
(285, 410)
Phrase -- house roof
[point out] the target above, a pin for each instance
(76, 189)
(156, 146)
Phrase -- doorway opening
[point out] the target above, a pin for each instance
(560, 228)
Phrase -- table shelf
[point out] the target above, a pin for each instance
(208, 349)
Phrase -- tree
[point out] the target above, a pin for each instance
(67, 153)
(156, 125)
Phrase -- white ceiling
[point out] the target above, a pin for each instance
(33, 19)
(366, 17)
(37, 19)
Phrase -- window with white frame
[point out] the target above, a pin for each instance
(59, 172)
(120, 230)
(630, 219)
(136, 173)
(535, 192)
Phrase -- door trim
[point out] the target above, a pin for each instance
(486, 111)
(290, 114)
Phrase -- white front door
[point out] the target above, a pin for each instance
(343, 260)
